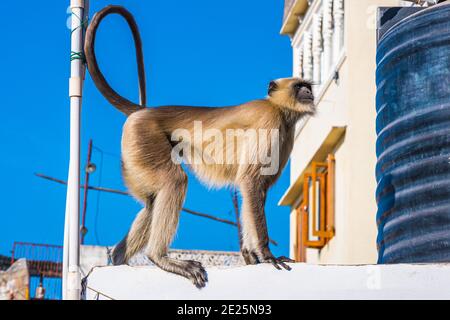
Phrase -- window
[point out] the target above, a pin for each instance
(315, 215)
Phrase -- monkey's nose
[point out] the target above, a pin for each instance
(306, 91)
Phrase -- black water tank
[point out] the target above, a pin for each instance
(413, 143)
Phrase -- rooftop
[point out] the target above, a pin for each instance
(400, 281)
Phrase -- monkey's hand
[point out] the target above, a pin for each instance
(265, 256)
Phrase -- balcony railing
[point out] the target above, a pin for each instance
(319, 41)
(318, 45)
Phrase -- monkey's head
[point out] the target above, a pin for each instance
(292, 93)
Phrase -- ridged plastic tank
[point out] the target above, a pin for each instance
(413, 143)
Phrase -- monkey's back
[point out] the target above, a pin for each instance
(207, 145)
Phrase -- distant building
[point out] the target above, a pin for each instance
(43, 264)
(14, 281)
(333, 219)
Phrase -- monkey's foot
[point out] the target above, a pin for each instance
(196, 273)
(192, 270)
(265, 256)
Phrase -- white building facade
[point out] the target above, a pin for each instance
(332, 190)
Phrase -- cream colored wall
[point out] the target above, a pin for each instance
(350, 103)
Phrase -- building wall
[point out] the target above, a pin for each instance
(350, 104)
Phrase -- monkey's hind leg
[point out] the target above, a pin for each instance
(166, 210)
(136, 238)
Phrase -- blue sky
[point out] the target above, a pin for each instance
(197, 52)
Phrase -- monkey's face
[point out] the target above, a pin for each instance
(292, 93)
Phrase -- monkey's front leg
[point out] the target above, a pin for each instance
(255, 238)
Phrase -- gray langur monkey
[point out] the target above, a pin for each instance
(160, 183)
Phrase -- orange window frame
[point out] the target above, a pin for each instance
(324, 173)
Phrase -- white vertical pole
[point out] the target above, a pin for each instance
(71, 255)
(307, 56)
(327, 29)
(338, 17)
(317, 47)
(65, 267)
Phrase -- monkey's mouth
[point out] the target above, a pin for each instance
(306, 100)
(305, 97)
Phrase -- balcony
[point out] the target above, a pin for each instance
(287, 8)
(292, 10)
(318, 44)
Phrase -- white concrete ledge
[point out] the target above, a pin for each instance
(264, 282)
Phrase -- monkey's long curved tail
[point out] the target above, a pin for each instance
(122, 104)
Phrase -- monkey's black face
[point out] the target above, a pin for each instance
(303, 92)
(292, 93)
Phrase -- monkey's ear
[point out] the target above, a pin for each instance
(272, 87)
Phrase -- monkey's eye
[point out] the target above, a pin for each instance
(300, 85)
